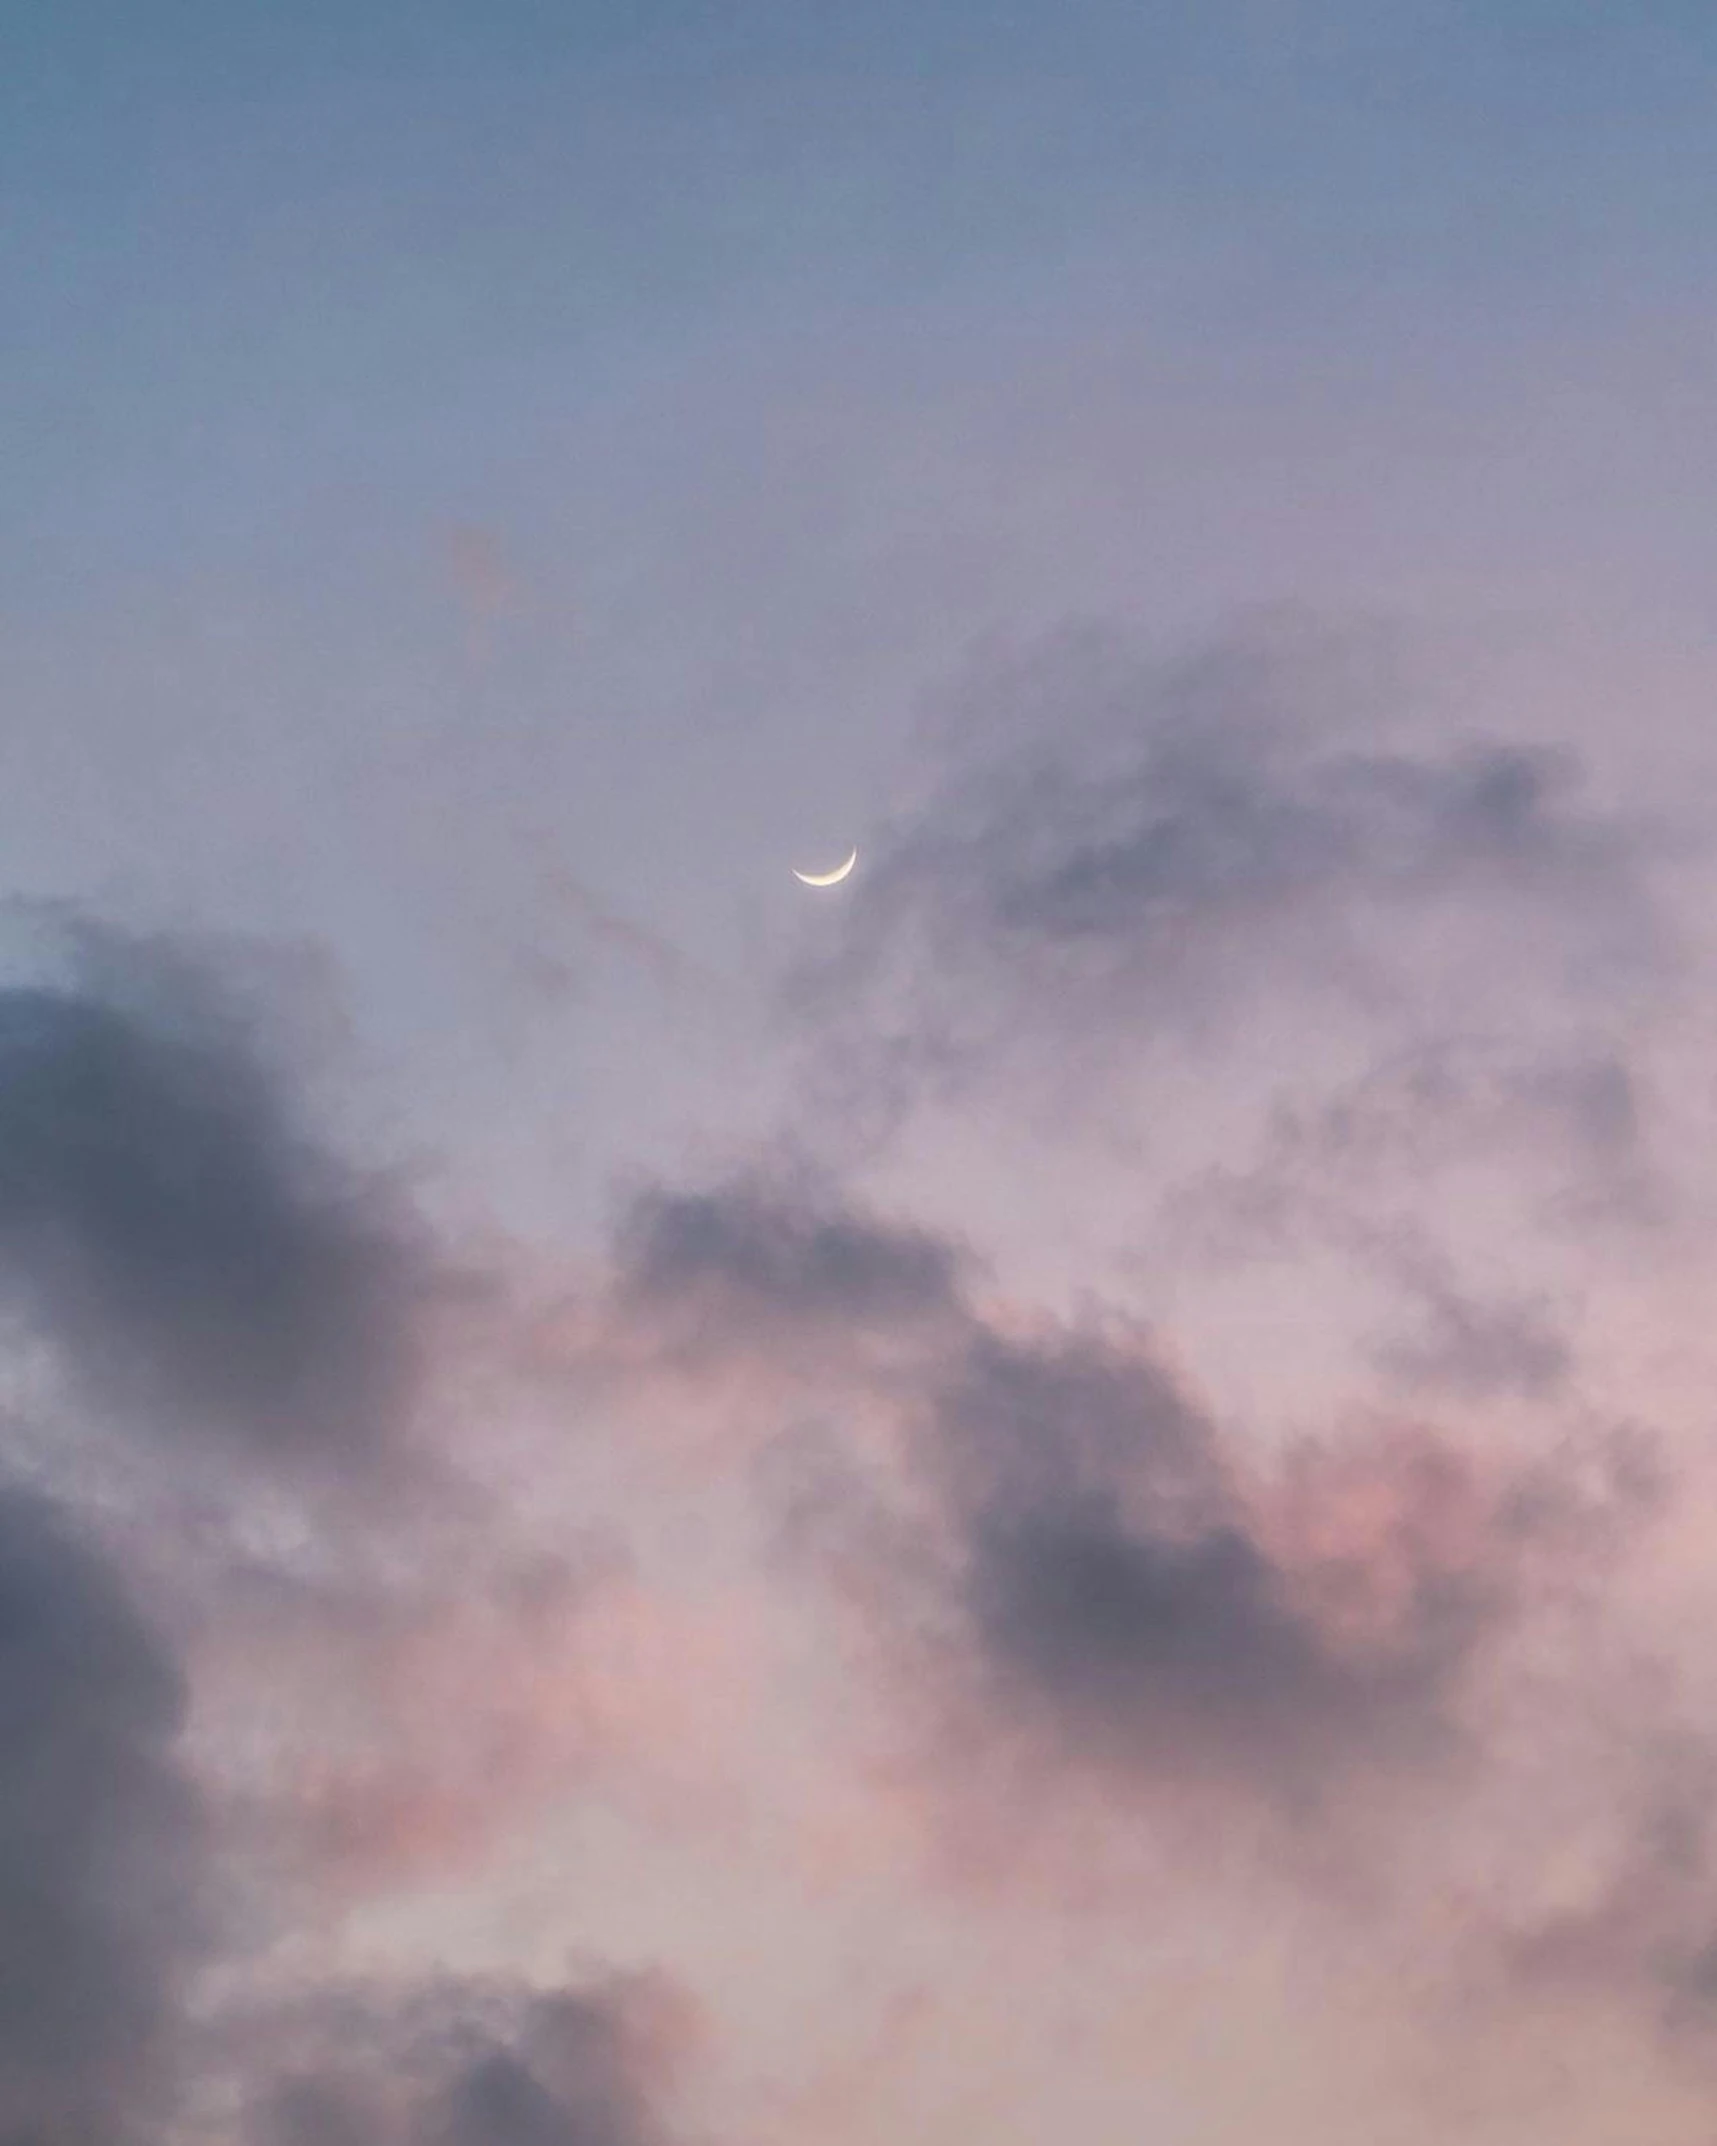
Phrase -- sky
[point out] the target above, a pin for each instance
(1064, 1490)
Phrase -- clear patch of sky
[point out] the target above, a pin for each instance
(253, 245)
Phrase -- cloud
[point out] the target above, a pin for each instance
(101, 1871)
(469, 2063)
(1632, 1912)
(197, 1261)
(746, 1253)
(1107, 1652)
(1056, 1547)
(567, 2083)
(1082, 1597)
(199, 1266)
(1565, 1124)
(718, 1303)
(1470, 1347)
(1128, 849)
(1127, 1598)
(414, 1738)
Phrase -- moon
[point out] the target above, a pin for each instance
(826, 879)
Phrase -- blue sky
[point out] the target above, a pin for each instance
(260, 246)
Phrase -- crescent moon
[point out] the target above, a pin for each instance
(826, 879)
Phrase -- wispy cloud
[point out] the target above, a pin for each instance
(1154, 850)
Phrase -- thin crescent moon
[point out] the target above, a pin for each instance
(826, 879)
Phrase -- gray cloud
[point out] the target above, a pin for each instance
(309, 2111)
(1024, 1425)
(465, 2063)
(1201, 830)
(1470, 1347)
(1563, 1127)
(1085, 1562)
(100, 1842)
(1123, 1602)
(196, 1260)
(750, 1252)
(1124, 849)
(1151, 1646)
(195, 1257)
(569, 2079)
(1404, 1172)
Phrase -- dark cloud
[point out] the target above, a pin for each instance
(1149, 1640)
(500, 2101)
(468, 2064)
(1085, 1611)
(193, 1255)
(100, 1843)
(1081, 1562)
(570, 2078)
(314, 2112)
(1022, 1425)
(745, 1253)
(1123, 1601)
(194, 1259)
